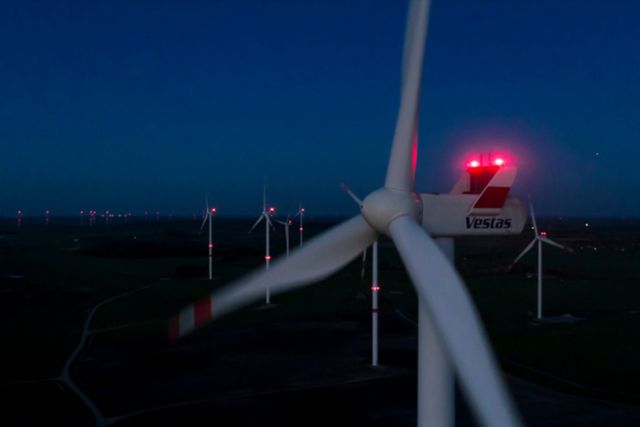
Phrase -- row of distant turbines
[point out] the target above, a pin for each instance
(91, 216)
(265, 215)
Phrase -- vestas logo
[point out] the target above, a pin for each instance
(488, 223)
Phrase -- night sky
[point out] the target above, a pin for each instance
(147, 105)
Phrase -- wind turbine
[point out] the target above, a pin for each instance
(266, 215)
(539, 237)
(375, 290)
(209, 213)
(375, 286)
(449, 328)
(300, 215)
(286, 223)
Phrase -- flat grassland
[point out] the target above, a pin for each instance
(314, 338)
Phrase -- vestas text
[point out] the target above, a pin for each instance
(488, 223)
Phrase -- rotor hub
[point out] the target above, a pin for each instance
(384, 205)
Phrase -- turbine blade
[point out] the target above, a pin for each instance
(257, 222)
(552, 243)
(524, 252)
(533, 216)
(351, 194)
(264, 196)
(316, 260)
(402, 160)
(204, 221)
(455, 318)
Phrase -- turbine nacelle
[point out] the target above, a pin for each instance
(384, 205)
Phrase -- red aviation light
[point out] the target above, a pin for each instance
(543, 233)
(473, 164)
(481, 171)
(210, 245)
(272, 210)
(214, 210)
(267, 257)
(375, 288)
(302, 210)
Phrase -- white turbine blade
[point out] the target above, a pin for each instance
(351, 194)
(269, 221)
(455, 318)
(319, 258)
(204, 221)
(533, 216)
(552, 243)
(260, 218)
(524, 252)
(401, 164)
(363, 264)
(264, 196)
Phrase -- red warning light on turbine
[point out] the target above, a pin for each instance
(473, 164)
(543, 233)
(213, 210)
(267, 257)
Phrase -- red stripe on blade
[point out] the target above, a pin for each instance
(492, 198)
(174, 328)
(202, 311)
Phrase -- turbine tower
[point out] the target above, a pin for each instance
(375, 290)
(539, 237)
(449, 330)
(266, 215)
(300, 215)
(209, 213)
(286, 223)
(375, 286)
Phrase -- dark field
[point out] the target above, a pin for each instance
(306, 358)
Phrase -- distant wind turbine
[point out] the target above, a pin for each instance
(209, 213)
(300, 215)
(375, 286)
(286, 223)
(266, 215)
(540, 238)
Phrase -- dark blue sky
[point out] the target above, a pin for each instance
(136, 105)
